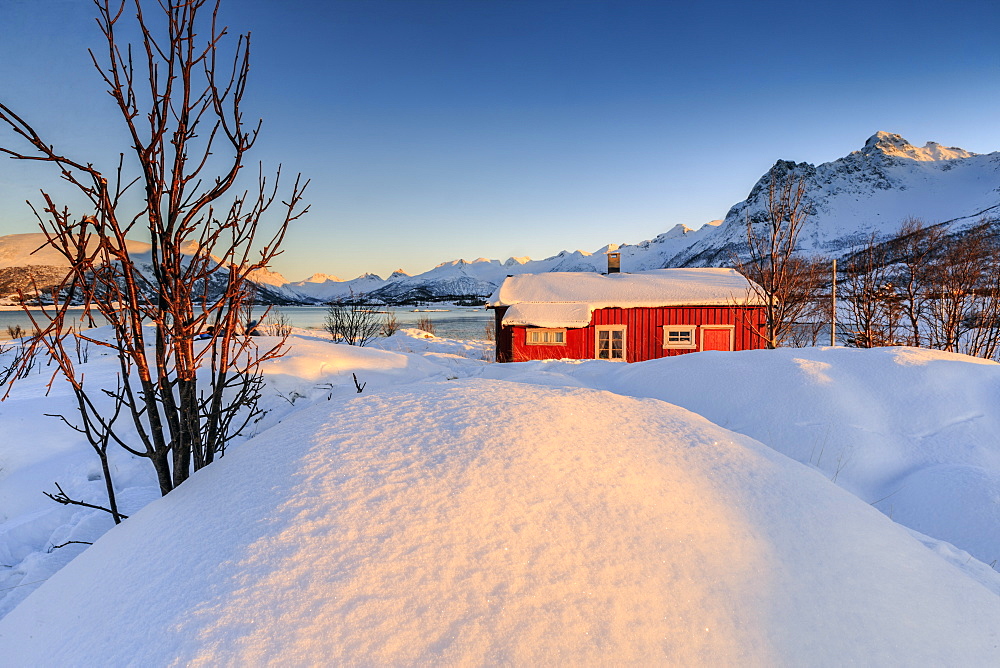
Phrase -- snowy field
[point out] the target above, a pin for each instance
(818, 506)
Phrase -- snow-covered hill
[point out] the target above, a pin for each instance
(572, 524)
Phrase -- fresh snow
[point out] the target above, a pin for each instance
(568, 299)
(459, 511)
(913, 432)
(549, 315)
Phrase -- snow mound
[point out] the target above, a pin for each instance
(912, 431)
(484, 522)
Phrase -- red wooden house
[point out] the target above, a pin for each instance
(625, 317)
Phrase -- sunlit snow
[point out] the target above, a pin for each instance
(464, 512)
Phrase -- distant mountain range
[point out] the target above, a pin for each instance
(27, 263)
(871, 190)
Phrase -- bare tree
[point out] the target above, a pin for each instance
(872, 304)
(814, 318)
(964, 294)
(181, 101)
(354, 321)
(783, 281)
(914, 250)
(390, 325)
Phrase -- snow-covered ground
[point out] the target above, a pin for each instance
(570, 512)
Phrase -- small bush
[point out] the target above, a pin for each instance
(280, 325)
(355, 324)
(425, 323)
(390, 325)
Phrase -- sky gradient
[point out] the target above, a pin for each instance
(434, 130)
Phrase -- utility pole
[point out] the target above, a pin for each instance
(833, 306)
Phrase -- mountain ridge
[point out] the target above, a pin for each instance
(868, 191)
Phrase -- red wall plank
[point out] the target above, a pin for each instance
(644, 333)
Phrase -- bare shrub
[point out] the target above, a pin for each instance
(390, 325)
(426, 324)
(355, 323)
(279, 325)
(21, 360)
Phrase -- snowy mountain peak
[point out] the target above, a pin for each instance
(675, 232)
(399, 273)
(889, 144)
(322, 278)
(268, 277)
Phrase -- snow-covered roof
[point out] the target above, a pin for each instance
(567, 299)
(573, 314)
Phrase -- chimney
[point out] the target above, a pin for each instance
(614, 259)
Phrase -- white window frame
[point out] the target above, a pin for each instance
(691, 329)
(611, 328)
(544, 332)
(732, 335)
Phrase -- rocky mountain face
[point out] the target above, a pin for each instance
(17, 281)
(870, 191)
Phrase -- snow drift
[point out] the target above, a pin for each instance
(492, 522)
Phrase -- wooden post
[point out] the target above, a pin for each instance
(833, 306)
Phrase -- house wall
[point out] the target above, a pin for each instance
(504, 336)
(644, 336)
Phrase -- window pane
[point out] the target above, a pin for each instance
(679, 337)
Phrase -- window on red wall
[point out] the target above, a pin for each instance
(679, 336)
(610, 342)
(546, 337)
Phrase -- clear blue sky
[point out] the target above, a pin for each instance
(434, 130)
